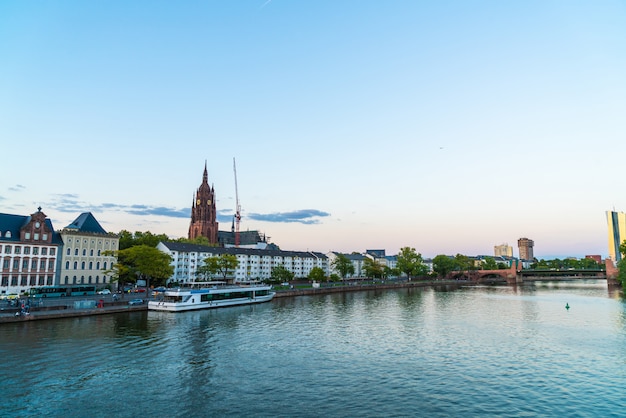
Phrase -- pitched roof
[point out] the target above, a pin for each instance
(14, 223)
(189, 248)
(86, 222)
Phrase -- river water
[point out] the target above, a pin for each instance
(476, 351)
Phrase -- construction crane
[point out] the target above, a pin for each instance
(237, 218)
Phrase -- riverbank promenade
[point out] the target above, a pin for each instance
(11, 315)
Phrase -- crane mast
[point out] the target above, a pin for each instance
(237, 208)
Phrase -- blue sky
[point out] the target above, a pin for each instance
(447, 126)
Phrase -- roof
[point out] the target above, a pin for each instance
(86, 222)
(245, 237)
(14, 223)
(191, 248)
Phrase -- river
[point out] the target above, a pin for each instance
(472, 351)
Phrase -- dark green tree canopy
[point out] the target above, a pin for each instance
(372, 268)
(221, 265)
(411, 263)
(142, 261)
(128, 239)
(443, 265)
(343, 265)
(317, 274)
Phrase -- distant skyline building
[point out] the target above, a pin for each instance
(525, 247)
(503, 250)
(617, 233)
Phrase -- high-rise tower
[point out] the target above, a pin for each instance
(203, 222)
(617, 233)
(525, 246)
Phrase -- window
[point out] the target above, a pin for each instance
(76, 251)
(26, 250)
(35, 250)
(13, 280)
(91, 253)
(42, 265)
(24, 281)
(7, 249)
(52, 251)
(98, 265)
(98, 253)
(44, 251)
(105, 265)
(82, 265)
(41, 281)
(36, 236)
(24, 264)
(91, 265)
(67, 265)
(74, 280)
(33, 264)
(49, 281)
(69, 251)
(33, 280)
(66, 280)
(18, 250)
(50, 264)
(8, 235)
(5, 264)
(84, 252)
(5, 280)
(75, 266)
(44, 237)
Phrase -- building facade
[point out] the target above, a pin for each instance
(203, 212)
(503, 250)
(616, 222)
(254, 264)
(88, 252)
(29, 251)
(525, 247)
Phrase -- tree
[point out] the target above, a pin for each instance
(489, 263)
(443, 264)
(372, 268)
(281, 274)
(141, 261)
(220, 265)
(128, 239)
(343, 265)
(411, 263)
(621, 265)
(317, 274)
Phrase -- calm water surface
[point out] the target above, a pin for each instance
(491, 351)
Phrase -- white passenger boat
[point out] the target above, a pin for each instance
(178, 300)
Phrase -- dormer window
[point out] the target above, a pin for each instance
(26, 235)
(8, 234)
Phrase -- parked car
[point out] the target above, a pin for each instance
(135, 302)
(104, 292)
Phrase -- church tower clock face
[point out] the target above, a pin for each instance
(198, 202)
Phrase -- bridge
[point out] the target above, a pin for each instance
(514, 276)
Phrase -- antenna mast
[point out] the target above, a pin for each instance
(238, 207)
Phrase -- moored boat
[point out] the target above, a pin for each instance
(179, 300)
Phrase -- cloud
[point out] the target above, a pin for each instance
(303, 216)
(69, 203)
(17, 188)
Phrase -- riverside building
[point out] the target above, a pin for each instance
(29, 250)
(87, 252)
(525, 246)
(254, 264)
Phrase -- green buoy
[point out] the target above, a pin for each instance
(567, 306)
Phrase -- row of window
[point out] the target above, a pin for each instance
(83, 265)
(44, 236)
(9, 249)
(69, 252)
(77, 242)
(26, 262)
(27, 280)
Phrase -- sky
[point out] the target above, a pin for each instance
(447, 126)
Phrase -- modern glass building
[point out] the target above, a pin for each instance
(617, 233)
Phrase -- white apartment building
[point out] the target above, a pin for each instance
(254, 264)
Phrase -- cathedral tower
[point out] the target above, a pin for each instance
(203, 223)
